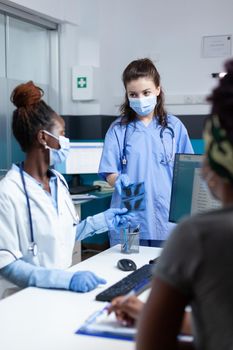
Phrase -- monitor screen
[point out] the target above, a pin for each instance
(190, 193)
(83, 158)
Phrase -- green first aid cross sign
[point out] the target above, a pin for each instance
(81, 82)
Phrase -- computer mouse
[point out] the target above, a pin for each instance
(126, 265)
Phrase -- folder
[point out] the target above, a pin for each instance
(100, 324)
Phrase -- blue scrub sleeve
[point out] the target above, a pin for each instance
(24, 275)
(184, 143)
(111, 157)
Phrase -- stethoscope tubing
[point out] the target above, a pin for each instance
(33, 246)
(124, 158)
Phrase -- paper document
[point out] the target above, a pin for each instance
(100, 324)
(103, 325)
(202, 199)
(79, 197)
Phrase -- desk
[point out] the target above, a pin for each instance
(90, 207)
(41, 319)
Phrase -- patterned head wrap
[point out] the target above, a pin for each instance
(218, 148)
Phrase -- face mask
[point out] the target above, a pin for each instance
(143, 106)
(58, 155)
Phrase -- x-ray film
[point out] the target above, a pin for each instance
(133, 197)
(133, 190)
(134, 204)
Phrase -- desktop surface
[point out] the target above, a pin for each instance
(47, 319)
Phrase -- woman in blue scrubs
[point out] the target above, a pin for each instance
(140, 147)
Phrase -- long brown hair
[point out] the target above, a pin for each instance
(142, 68)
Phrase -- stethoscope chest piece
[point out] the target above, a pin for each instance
(33, 248)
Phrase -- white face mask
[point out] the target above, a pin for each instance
(58, 155)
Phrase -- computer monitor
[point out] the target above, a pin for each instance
(84, 158)
(190, 193)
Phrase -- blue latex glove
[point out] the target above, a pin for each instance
(117, 218)
(24, 274)
(84, 281)
(122, 180)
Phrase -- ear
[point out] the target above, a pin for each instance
(41, 138)
(158, 90)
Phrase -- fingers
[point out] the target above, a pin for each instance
(119, 211)
(116, 302)
(130, 307)
(125, 180)
(94, 280)
(118, 185)
(101, 280)
(86, 281)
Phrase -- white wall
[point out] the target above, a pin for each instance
(110, 34)
(63, 10)
(170, 33)
(80, 45)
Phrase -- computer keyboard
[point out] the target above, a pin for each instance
(137, 280)
(84, 189)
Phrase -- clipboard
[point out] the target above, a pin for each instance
(100, 324)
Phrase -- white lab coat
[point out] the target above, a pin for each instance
(54, 230)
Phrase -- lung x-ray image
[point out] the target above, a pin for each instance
(133, 197)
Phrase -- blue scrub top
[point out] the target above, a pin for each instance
(146, 161)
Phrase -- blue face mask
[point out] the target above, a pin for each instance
(143, 106)
(58, 155)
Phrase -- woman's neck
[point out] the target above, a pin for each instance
(147, 119)
(37, 165)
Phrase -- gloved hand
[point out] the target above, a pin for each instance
(117, 218)
(84, 281)
(122, 180)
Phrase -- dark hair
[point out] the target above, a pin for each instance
(142, 68)
(222, 100)
(31, 115)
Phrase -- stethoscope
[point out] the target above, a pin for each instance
(32, 246)
(167, 159)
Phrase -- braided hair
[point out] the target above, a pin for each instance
(142, 68)
(31, 114)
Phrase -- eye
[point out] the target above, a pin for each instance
(147, 93)
(132, 95)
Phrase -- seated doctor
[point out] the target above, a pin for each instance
(39, 226)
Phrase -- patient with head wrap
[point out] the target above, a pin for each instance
(196, 265)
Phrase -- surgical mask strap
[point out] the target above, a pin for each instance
(49, 133)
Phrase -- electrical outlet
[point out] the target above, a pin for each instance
(188, 99)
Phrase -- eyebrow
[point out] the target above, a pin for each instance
(135, 92)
